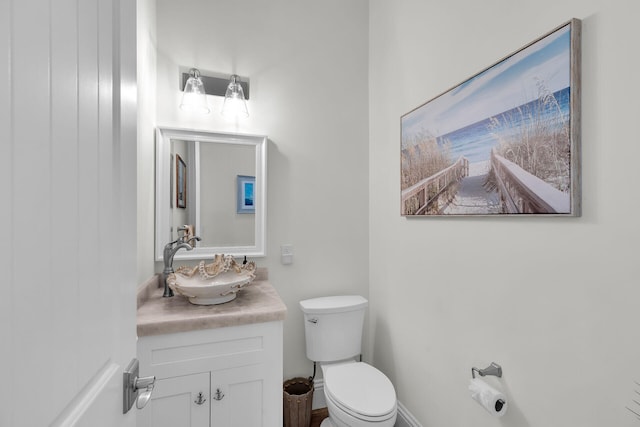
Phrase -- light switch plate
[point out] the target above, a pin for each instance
(286, 254)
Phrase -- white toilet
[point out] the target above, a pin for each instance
(357, 394)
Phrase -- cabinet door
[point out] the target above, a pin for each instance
(237, 397)
(176, 402)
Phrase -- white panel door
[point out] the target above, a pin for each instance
(67, 186)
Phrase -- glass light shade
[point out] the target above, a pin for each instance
(194, 97)
(234, 103)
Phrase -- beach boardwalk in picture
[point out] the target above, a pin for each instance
(505, 141)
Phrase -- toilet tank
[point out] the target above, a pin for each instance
(333, 327)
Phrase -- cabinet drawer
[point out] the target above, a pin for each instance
(199, 351)
(238, 348)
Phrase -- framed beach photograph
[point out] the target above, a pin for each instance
(504, 142)
(181, 183)
(245, 200)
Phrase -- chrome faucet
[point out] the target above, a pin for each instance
(169, 252)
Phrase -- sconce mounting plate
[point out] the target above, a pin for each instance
(216, 85)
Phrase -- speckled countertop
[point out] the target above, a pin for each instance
(257, 303)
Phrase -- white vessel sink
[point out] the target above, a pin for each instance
(215, 283)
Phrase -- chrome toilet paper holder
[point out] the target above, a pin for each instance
(493, 369)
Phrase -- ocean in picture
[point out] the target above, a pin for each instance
(476, 140)
(248, 194)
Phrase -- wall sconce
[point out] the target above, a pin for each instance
(233, 89)
(234, 103)
(194, 97)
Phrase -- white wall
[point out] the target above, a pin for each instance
(220, 223)
(146, 70)
(553, 300)
(307, 64)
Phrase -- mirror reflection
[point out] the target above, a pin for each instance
(214, 184)
(211, 205)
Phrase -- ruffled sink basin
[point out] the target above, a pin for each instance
(215, 283)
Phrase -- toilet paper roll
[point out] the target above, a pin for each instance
(488, 397)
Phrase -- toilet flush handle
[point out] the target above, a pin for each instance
(313, 320)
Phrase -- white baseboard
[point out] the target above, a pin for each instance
(318, 394)
(405, 418)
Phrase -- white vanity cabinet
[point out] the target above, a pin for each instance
(222, 377)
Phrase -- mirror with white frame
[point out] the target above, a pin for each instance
(215, 182)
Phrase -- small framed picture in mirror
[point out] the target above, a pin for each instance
(181, 182)
(245, 201)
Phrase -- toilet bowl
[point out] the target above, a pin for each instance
(357, 394)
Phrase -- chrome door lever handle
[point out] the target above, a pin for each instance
(144, 382)
(144, 386)
(143, 398)
(136, 389)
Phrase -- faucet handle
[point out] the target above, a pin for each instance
(169, 245)
(187, 232)
(193, 241)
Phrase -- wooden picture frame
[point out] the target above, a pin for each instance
(181, 183)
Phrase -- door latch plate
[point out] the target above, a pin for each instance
(130, 393)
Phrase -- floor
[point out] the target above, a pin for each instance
(317, 415)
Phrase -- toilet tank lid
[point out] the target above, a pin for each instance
(333, 304)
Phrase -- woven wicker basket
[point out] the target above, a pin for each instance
(297, 397)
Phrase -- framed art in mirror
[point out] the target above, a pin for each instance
(245, 200)
(181, 183)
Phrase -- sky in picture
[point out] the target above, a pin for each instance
(506, 85)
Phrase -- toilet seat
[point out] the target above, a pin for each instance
(360, 390)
